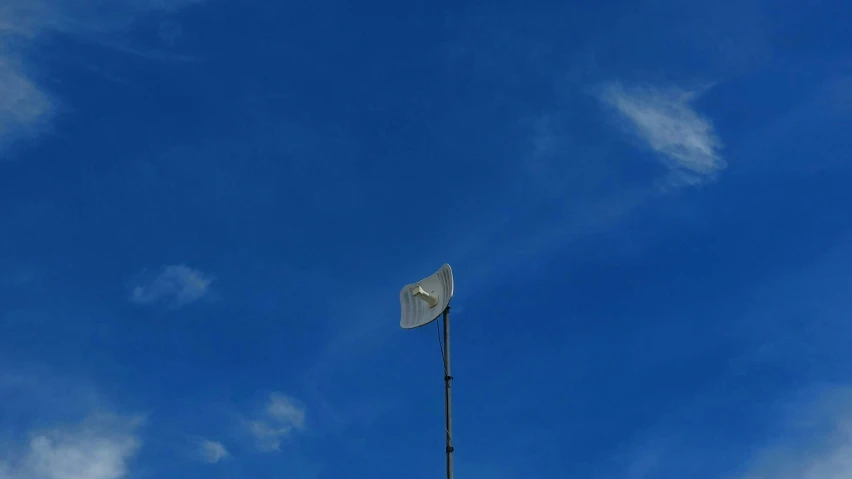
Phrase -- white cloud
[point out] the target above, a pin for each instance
(25, 107)
(282, 415)
(177, 285)
(213, 451)
(285, 410)
(817, 445)
(268, 437)
(100, 448)
(667, 122)
(810, 437)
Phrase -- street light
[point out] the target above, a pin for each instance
(421, 303)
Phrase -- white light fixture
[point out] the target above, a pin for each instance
(420, 304)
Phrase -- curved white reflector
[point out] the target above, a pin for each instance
(422, 302)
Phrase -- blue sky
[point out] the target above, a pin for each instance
(207, 209)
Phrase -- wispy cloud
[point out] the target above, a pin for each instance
(213, 451)
(177, 285)
(99, 448)
(574, 190)
(25, 107)
(818, 444)
(811, 438)
(665, 119)
(286, 410)
(21, 278)
(282, 415)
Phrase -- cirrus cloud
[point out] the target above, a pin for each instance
(666, 120)
(816, 445)
(26, 108)
(213, 451)
(282, 415)
(99, 448)
(177, 285)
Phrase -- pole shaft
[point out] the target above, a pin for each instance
(448, 393)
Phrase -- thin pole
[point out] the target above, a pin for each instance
(448, 393)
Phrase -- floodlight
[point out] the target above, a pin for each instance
(422, 302)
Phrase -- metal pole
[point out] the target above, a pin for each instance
(448, 393)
